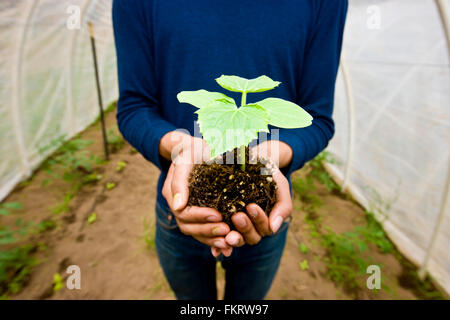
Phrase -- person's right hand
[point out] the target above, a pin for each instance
(203, 224)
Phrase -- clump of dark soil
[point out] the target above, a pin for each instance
(228, 189)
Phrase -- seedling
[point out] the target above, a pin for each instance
(303, 248)
(219, 117)
(92, 218)
(304, 265)
(110, 185)
(120, 166)
(57, 282)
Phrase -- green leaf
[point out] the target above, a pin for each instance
(110, 185)
(13, 205)
(238, 84)
(303, 248)
(92, 218)
(57, 282)
(120, 166)
(4, 212)
(201, 98)
(304, 265)
(225, 127)
(285, 114)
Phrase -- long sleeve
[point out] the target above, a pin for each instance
(138, 115)
(316, 85)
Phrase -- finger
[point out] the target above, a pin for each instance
(283, 207)
(259, 218)
(179, 187)
(234, 239)
(167, 187)
(215, 252)
(193, 214)
(245, 227)
(216, 242)
(227, 252)
(204, 229)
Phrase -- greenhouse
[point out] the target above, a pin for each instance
(377, 195)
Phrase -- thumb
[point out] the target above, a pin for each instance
(283, 207)
(277, 216)
(180, 189)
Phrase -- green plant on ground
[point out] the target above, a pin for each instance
(57, 282)
(71, 163)
(16, 261)
(71, 160)
(373, 233)
(120, 166)
(45, 225)
(115, 139)
(348, 254)
(318, 172)
(110, 185)
(304, 265)
(346, 260)
(225, 126)
(149, 233)
(409, 279)
(303, 248)
(92, 218)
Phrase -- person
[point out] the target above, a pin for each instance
(164, 47)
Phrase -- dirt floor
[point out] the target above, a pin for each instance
(116, 252)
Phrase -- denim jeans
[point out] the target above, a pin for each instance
(190, 268)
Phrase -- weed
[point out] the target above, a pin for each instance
(304, 265)
(15, 261)
(92, 178)
(45, 225)
(348, 254)
(72, 159)
(71, 163)
(149, 233)
(303, 248)
(115, 139)
(110, 185)
(92, 218)
(346, 261)
(57, 282)
(318, 172)
(120, 166)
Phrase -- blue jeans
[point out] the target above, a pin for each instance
(190, 268)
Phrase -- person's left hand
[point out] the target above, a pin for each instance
(253, 226)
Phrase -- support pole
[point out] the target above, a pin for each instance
(99, 91)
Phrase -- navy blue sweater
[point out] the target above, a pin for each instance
(167, 46)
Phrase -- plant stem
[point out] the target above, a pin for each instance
(243, 99)
(242, 148)
(242, 153)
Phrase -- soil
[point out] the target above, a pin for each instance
(228, 189)
(116, 253)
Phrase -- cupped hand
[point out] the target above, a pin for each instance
(255, 224)
(203, 224)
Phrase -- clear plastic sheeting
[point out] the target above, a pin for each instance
(392, 113)
(47, 81)
(391, 108)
